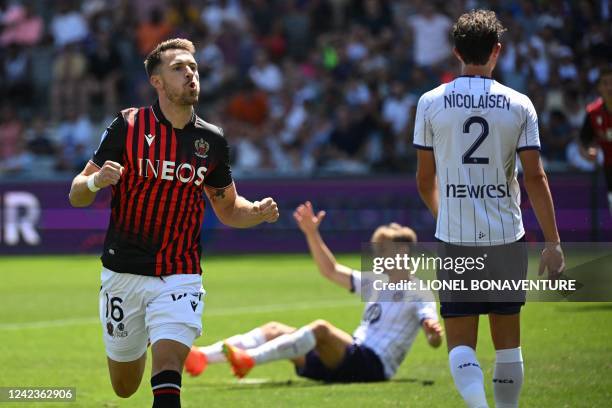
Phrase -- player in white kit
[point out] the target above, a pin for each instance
(468, 133)
(321, 351)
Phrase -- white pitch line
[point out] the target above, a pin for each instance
(230, 311)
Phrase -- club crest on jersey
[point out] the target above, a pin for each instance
(201, 148)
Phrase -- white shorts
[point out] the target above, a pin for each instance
(137, 310)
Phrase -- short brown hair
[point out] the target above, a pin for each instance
(475, 34)
(154, 58)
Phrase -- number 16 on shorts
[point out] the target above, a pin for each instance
(113, 314)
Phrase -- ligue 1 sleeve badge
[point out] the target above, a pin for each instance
(201, 148)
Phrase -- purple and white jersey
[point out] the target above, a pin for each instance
(389, 328)
(475, 126)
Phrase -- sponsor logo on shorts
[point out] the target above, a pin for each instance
(194, 305)
(116, 332)
(179, 296)
(470, 365)
(503, 380)
(120, 332)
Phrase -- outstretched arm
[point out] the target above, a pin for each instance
(236, 211)
(323, 257)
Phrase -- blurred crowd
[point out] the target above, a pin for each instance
(300, 87)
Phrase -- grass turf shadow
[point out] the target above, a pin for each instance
(241, 386)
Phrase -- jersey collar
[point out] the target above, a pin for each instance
(474, 76)
(159, 115)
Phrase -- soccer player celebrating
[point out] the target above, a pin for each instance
(468, 133)
(597, 127)
(321, 351)
(159, 160)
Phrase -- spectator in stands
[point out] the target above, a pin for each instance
(556, 136)
(73, 136)
(21, 26)
(296, 22)
(249, 105)
(11, 132)
(274, 41)
(21, 161)
(16, 75)
(265, 74)
(376, 16)
(67, 90)
(68, 26)
(40, 145)
(332, 50)
(430, 31)
(152, 32)
(103, 73)
(214, 73)
(398, 109)
(347, 142)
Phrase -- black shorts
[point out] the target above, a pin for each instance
(360, 364)
(503, 262)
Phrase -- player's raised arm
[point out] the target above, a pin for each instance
(236, 211)
(323, 257)
(536, 184)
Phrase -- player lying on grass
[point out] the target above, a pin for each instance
(321, 351)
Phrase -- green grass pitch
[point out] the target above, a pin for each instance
(50, 336)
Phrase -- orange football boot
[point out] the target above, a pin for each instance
(196, 362)
(239, 359)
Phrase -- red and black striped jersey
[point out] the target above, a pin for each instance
(158, 205)
(597, 128)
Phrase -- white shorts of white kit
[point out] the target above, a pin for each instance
(137, 310)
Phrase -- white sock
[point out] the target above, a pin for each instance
(287, 346)
(214, 353)
(468, 376)
(508, 377)
(252, 339)
(249, 340)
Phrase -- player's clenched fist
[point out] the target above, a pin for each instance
(267, 209)
(110, 173)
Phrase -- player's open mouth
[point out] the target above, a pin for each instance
(192, 85)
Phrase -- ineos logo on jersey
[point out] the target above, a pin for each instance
(169, 170)
(477, 191)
